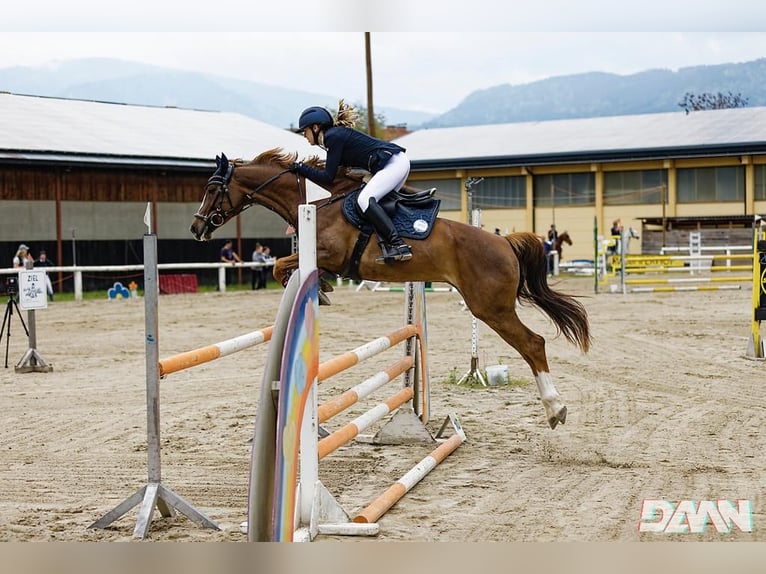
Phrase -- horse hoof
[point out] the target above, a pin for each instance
(324, 299)
(560, 417)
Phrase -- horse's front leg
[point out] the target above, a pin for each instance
(284, 267)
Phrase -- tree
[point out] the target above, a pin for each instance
(709, 101)
(380, 122)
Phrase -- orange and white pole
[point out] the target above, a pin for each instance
(209, 353)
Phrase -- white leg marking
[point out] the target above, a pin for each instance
(555, 411)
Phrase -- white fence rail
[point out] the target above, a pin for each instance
(78, 270)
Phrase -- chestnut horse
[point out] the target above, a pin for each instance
(490, 271)
(558, 245)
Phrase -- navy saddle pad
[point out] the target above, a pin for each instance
(413, 218)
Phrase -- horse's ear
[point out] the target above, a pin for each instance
(224, 159)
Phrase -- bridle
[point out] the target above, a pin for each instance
(219, 216)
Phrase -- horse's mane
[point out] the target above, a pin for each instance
(280, 158)
(284, 160)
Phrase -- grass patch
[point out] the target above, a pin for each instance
(454, 378)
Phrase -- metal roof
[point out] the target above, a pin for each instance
(618, 138)
(34, 128)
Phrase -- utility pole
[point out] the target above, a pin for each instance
(368, 60)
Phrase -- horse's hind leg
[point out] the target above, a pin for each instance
(531, 347)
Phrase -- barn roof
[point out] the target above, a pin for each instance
(619, 138)
(34, 128)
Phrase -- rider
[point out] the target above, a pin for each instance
(350, 148)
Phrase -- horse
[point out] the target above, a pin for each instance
(491, 272)
(558, 245)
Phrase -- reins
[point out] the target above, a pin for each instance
(219, 216)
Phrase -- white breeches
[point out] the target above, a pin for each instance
(391, 178)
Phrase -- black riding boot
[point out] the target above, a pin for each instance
(391, 244)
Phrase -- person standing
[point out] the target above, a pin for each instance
(43, 261)
(616, 233)
(553, 235)
(21, 257)
(269, 268)
(256, 279)
(228, 255)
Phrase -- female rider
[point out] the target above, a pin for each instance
(347, 147)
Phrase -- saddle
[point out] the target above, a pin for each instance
(413, 216)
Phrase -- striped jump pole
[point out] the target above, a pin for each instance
(738, 279)
(685, 288)
(396, 491)
(717, 269)
(189, 359)
(348, 432)
(340, 403)
(347, 360)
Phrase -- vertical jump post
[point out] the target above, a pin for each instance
(755, 347)
(474, 373)
(154, 493)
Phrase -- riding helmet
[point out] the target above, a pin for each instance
(315, 115)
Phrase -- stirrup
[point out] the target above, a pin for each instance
(391, 253)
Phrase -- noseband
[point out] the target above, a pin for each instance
(219, 216)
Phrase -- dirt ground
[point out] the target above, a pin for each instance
(665, 406)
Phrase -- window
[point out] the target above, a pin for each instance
(635, 187)
(760, 182)
(448, 190)
(565, 189)
(711, 184)
(500, 192)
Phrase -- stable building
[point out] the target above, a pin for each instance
(76, 177)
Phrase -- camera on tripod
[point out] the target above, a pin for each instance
(11, 286)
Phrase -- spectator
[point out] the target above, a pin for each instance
(43, 261)
(228, 255)
(616, 233)
(257, 279)
(550, 245)
(268, 270)
(21, 257)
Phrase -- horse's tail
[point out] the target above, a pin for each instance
(567, 313)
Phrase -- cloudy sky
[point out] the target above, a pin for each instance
(432, 71)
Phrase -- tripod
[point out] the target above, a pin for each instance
(7, 320)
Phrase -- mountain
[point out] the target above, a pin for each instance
(126, 82)
(592, 94)
(598, 94)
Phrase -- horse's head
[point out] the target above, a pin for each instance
(235, 186)
(564, 238)
(212, 212)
